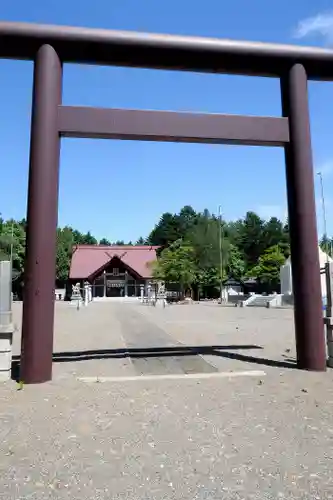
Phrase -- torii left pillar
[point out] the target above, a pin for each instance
(38, 300)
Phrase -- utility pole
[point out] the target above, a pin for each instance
(324, 208)
(221, 253)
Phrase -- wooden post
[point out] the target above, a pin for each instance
(39, 272)
(309, 327)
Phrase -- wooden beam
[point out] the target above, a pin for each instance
(164, 51)
(170, 126)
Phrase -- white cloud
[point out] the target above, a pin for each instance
(320, 25)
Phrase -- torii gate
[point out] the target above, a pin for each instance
(51, 46)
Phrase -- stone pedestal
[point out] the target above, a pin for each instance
(6, 340)
(86, 294)
(6, 321)
(160, 300)
(149, 293)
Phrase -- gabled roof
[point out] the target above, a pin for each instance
(87, 259)
(232, 282)
(250, 281)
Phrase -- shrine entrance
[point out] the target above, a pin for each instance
(115, 288)
(52, 46)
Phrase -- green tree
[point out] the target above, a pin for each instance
(65, 243)
(186, 219)
(172, 227)
(326, 245)
(12, 241)
(250, 238)
(88, 239)
(235, 264)
(105, 242)
(5, 243)
(208, 243)
(193, 238)
(78, 238)
(267, 271)
(276, 233)
(176, 264)
(166, 231)
(208, 282)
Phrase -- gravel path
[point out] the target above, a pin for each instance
(231, 439)
(266, 437)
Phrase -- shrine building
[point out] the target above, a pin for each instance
(113, 271)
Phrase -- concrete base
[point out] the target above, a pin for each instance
(6, 340)
(76, 303)
(160, 302)
(287, 299)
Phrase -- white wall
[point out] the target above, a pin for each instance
(286, 279)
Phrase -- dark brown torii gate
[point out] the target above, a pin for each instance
(51, 46)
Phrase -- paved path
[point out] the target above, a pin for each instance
(140, 334)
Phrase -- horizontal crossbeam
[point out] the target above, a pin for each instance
(148, 50)
(169, 126)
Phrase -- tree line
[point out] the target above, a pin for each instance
(197, 249)
(13, 241)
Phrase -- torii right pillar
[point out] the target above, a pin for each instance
(309, 324)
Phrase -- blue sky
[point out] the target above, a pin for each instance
(120, 187)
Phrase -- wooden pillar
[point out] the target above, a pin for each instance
(39, 285)
(309, 324)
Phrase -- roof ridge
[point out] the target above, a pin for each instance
(86, 260)
(118, 247)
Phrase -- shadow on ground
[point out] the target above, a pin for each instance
(161, 352)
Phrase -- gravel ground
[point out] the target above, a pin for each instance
(266, 437)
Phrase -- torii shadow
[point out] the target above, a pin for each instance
(223, 351)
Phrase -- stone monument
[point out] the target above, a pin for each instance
(161, 295)
(149, 294)
(76, 297)
(87, 293)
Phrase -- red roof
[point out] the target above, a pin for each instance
(87, 259)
